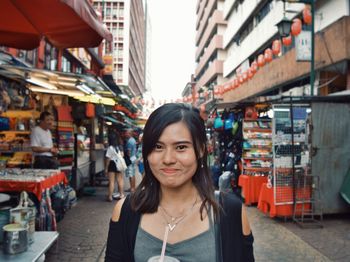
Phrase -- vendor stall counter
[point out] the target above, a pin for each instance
(34, 182)
(42, 242)
(267, 201)
(251, 187)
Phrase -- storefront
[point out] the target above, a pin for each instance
(286, 152)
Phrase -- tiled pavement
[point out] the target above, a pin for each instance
(83, 234)
(83, 231)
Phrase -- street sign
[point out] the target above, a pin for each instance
(303, 47)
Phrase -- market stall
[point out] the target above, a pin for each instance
(35, 181)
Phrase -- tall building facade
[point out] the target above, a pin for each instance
(126, 20)
(148, 50)
(251, 31)
(210, 55)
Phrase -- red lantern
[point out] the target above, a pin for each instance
(250, 73)
(226, 89)
(307, 17)
(287, 41)
(276, 47)
(221, 90)
(216, 90)
(245, 76)
(254, 67)
(268, 55)
(261, 60)
(240, 79)
(296, 27)
(236, 82)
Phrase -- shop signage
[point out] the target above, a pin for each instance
(303, 46)
(108, 61)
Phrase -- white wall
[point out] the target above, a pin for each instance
(328, 11)
(260, 34)
(126, 55)
(238, 17)
(227, 6)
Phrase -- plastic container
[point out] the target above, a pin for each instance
(4, 219)
(15, 239)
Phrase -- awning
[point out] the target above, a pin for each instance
(108, 79)
(65, 23)
(114, 121)
(86, 88)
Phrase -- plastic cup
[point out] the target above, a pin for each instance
(166, 259)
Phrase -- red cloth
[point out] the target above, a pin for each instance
(31, 186)
(64, 113)
(266, 201)
(65, 129)
(251, 187)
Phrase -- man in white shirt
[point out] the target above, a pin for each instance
(41, 143)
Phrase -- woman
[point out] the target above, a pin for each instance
(111, 168)
(174, 212)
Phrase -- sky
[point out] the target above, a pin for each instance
(172, 46)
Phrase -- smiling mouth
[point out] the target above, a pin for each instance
(169, 170)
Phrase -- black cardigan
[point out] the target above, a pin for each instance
(234, 245)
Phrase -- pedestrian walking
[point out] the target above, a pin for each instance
(130, 152)
(175, 206)
(111, 169)
(139, 158)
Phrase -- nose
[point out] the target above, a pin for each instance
(169, 156)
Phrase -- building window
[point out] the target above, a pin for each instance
(263, 12)
(31, 56)
(120, 72)
(78, 70)
(108, 12)
(121, 12)
(50, 59)
(66, 65)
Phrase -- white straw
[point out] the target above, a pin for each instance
(165, 239)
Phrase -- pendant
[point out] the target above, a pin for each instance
(171, 227)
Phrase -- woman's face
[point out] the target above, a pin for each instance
(173, 160)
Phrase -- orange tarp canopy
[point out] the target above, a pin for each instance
(64, 23)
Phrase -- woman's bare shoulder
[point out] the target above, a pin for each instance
(117, 210)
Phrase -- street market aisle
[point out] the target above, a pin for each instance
(274, 242)
(83, 230)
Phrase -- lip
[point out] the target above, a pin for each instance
(169, 170)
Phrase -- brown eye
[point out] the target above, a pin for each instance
(181, 147)
(158, 147)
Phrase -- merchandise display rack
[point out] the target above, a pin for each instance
(290, 142)
(256, 157)
(257, 147)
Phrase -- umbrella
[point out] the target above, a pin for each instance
(64, 23)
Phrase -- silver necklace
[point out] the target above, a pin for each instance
(175, 220)
(171, 226)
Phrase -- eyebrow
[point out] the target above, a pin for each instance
(178, 142)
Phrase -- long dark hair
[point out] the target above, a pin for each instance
(113, 139)
(147, 196)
